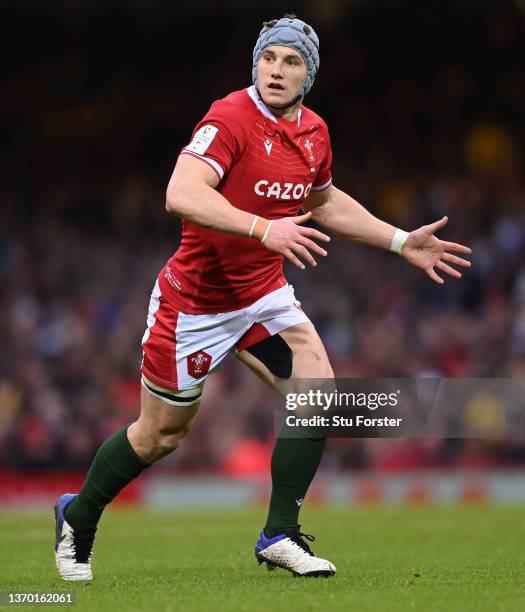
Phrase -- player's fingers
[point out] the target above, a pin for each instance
(303, 253)
(301, 218)
(292, 258)
(434, 276)
(312, 246)
(313, 233)
(456, 260)
(453, 246)
(446, 268)
(437, 225)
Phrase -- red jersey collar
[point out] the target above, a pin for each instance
(264, 110)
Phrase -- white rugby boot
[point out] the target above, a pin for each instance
(73, 547)
(289, 551)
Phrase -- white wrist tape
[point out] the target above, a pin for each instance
(266, 232)
(255, 219)
(398, 241)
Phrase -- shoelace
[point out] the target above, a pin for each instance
(297, 538)
(83, 542)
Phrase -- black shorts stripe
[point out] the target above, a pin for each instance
(171, 397)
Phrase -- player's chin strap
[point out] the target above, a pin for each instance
(294, 101)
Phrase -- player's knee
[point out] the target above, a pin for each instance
(153, 443)
(320, 365)
(163, 444)
(167, 443)
(173, 436)
(328, 372)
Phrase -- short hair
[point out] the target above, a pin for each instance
(269, 24)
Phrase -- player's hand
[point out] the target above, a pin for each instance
(424, 250)
(287, 237)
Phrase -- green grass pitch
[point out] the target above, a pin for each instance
(388, 558)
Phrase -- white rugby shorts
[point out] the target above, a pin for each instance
(180, 350)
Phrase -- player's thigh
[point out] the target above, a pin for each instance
(157, 417)
(307, 352)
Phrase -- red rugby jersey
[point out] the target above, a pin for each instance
(267, 166)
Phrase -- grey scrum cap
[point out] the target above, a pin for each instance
(294, 33)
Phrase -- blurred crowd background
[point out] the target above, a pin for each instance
(425, 102)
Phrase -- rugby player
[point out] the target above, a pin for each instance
(254, 161)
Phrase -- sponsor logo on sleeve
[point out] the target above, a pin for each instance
(202, 140)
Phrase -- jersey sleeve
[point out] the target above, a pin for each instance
(218, 139)
(324, 175)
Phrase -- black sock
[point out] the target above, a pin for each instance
(294, 464)
(114, 466)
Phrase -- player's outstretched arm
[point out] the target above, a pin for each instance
(338, 212)
(191, 195)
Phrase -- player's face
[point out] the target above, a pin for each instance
(280, 74)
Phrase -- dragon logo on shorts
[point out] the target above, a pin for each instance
(198, 364)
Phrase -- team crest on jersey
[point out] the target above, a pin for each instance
(198, 364)
(310, 153)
